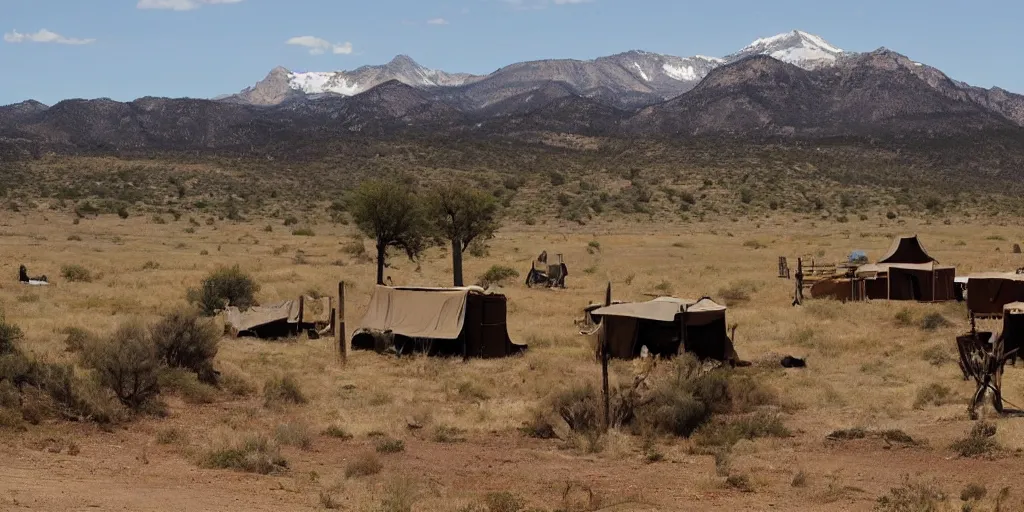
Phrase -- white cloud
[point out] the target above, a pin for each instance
(437, 21)
(318, 46)
(180, 5)
(44, 36)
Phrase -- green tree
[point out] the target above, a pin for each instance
(390, 213)
(461, 215)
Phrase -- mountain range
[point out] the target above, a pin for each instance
(793, 85)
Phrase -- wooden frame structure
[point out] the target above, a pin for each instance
(984, 362)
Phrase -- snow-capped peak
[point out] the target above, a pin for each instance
(797, 47)
(350, 83)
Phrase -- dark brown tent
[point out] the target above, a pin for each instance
(463, 322)
(664, 325)
(907, 249)
(989, 293)
(924, 282)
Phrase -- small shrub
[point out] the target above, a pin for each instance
(127, 363)
(447, 434)
(150, 265)
(225, 286)
(74, 238)
(503, 502)
(283, 389)
(740, 483)
(328, 501)
(190, 230)
(933, 321)
(187, 386)
(728, 433)
(847, 434)
(934, 394)
(478, 249)
(10, 336)
(754, 244)
(593, 247)
(904, 318)
(76, 339)
(290, 221)
(890, 215)
(185, 340)
(591, 270)
(916, 497)
(157, 219)
(122, 212)
(978, 443)
(303, 232)
(294, 434)
(746, 195)
(268, 228)
(799, 479)
(366, 464)
(389, 445)
(973, 492)
(252, 455)
(399, 496)
(76, 274)
(497, 275)
(337, 432)
(235, 383)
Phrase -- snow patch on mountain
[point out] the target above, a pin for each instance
(680, 72)
(797, 47)
(642, 74)
(322, 83)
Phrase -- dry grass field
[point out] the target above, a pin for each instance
(872, 366)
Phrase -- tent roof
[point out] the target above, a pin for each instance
(877, 268)
(661, 309)
(1009, 276)
(436, 313)
(1014, 308)
(906, 249)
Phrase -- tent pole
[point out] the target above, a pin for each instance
(339, 323)
(302, 303)
(604, 360)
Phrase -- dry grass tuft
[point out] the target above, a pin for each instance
(979, 442)
(389, 445)
(255, 454)
(283, 390)
(366, 464)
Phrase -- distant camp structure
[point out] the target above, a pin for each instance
(314, 316)
(665, 326)
(905, 273)
(24, 278)
(467, 322)
(548, 276)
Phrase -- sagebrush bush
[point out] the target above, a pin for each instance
(738, 293)
(10, 336)
(389, 445)
(497, 274)
(933, 321)
(934, 394)
(127, 363)
(364, 465)
(76, 274)
(185, 340)
(978, 443)
(252, 455)
(223, 287)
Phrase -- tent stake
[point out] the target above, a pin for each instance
(604, 361)
(339, 323)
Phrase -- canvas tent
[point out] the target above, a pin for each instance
(665, 325)
(989, 293)
(907, 249)
(439, 321)
(281, 319)
(925, 282)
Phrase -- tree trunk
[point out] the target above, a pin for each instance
(382, 252)
(457, 262)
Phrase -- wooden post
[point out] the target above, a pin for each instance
(302, 304)
(339, 323)
(604, 360)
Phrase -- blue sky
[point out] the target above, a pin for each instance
(125, 49)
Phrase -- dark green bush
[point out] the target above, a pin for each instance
(127, 364)
(225, 286)
(185, 340)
